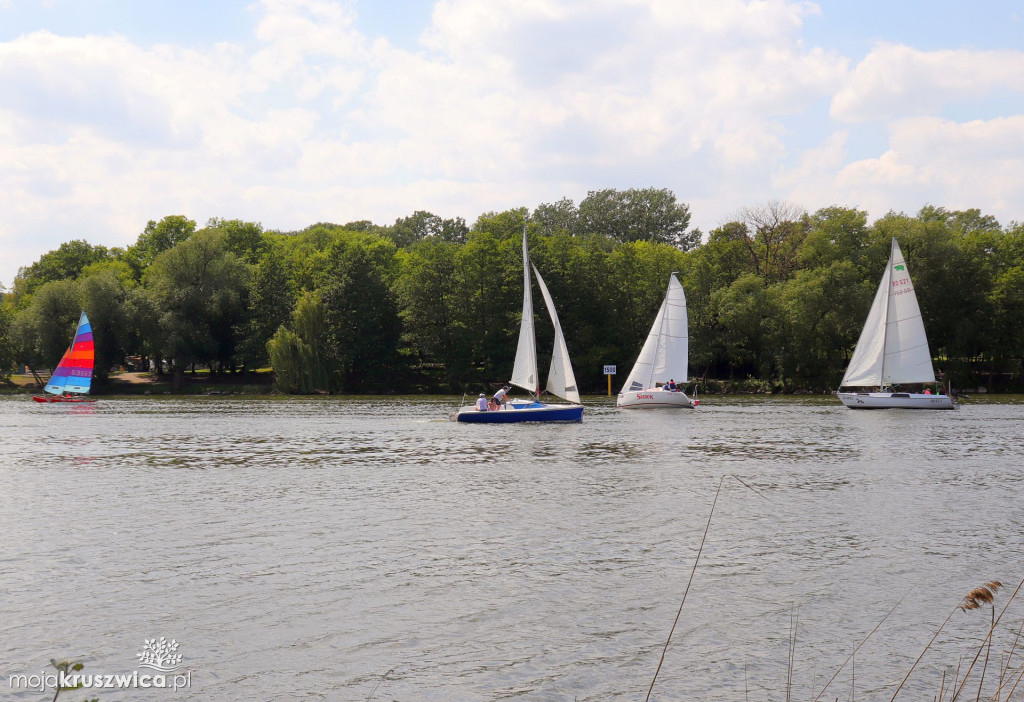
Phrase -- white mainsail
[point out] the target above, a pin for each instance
(561, 379)
(665, 354)
(524, 371)
(893, 347)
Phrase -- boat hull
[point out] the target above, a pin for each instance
(56, 398)
(521, 412)
(654, 399)
(896, 400)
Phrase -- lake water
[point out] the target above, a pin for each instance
(353, 549)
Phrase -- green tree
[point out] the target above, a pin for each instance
(954, 315)
(558, 217)
(744, 313)
(423, 225)
(43, 329)
(7, 355)
(710, 267)
(198, 292)
(502, 225)
(157, 238)
(244, 239)
(308, 255)
(429, 301)
(647, 214)
(107, 300)
(836, 234)
(638, 275)
(776, 233)
(489, 279)
(1007, 304)
(66, 262)
(271, 299)
(578, 273)
(820, 315)
(299, 352)
(362, 314)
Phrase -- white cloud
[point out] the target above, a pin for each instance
(816, 170)
(958, 166)
(895, 81)
(504, 104)
(929, 160)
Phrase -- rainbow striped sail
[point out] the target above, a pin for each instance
(74, 372)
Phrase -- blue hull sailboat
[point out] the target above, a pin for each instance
(561, 380)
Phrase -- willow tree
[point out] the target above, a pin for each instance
(299, 352)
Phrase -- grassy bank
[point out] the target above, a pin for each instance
(199, 383)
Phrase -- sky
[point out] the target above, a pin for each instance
(293, 112)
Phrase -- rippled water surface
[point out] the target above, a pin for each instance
(354, 549)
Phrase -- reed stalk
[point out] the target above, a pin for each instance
(687, 590)
(854, 652)
(976, 598)
(929, 645)
(794, 618)
(1015, 684)
(382, 679)
(1005, 668)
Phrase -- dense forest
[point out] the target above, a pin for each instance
(776, 298)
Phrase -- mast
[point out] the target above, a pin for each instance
(524, 370)
(888, 305)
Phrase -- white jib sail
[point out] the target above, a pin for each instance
(907, 356)
(561, 380)
(892, 347)
(524, 371)
(665, 353)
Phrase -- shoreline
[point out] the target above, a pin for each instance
(140, 384)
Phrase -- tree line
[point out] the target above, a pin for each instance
(777, 297)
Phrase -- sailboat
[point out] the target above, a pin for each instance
(72, 378)
(892, 349)
(663, 358)
(561, 380)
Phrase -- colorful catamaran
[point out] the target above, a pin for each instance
(72, 378)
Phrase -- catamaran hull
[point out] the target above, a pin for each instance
(896, 400)
(654, 399)
(533, 412)
(37, 398)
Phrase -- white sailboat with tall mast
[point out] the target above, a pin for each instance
(892, 349)
(663, 359)
(561, 380)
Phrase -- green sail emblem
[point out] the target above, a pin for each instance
(900, 267)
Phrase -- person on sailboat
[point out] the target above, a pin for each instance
(671, 385)
(481, 403)
(499, 397)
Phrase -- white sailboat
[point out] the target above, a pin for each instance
(663, 358)
(561, 380)
(892, 349)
